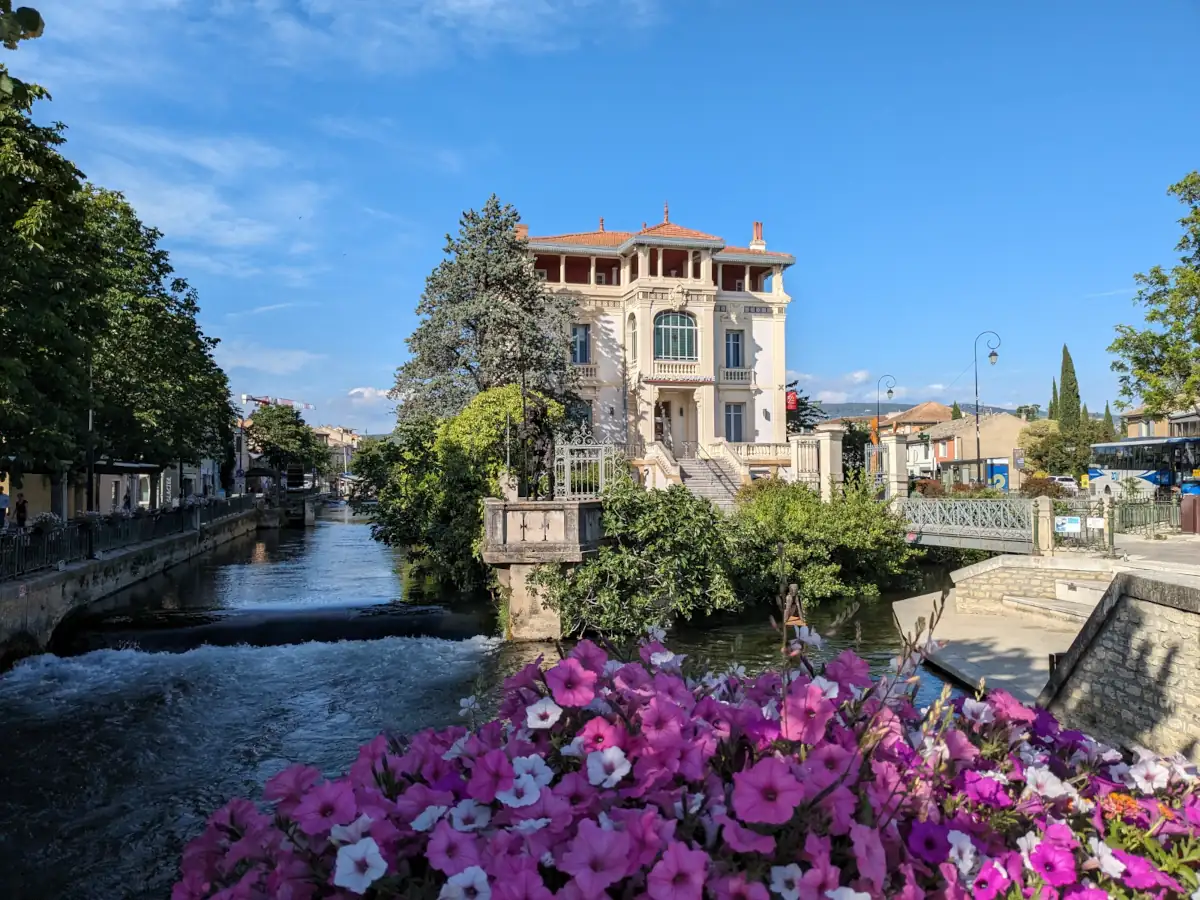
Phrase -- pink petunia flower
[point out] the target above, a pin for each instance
(742, 839)
(735, 887)
(570, 683)
(599, 733)
(804, 717)
(590, 656)
(826, 764)
(451, 851)
(766, 792)
(869, 854)
(324, 806)
(526, 884)
(493, 773)
(1054, 863)
(848, 670)
(991, 881)
(596, 857)
(679, 875)
(288, 787)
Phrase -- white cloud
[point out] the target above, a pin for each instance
(832, 396)
(793, 375)
(226, 155)
(858, 377)
(272, 360)
(390, 134)
(936, 388)
(367, 395)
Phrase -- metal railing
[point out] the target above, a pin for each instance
(1008, 519)
(1082, 523)
(1146, 516)
(583, 470)
(227, 506)
(114, 533)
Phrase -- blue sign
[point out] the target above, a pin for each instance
(997, 476)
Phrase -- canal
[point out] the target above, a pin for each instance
(295, 646)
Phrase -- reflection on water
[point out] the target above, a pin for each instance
(110, 761)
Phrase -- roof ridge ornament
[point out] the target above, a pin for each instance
(666, 212)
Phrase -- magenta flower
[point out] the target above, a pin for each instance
(596, 857)
(679, 875)
(527, 884)
(735, 887)
(826, 764)
(742, 839)
(928, 841)
(451, 851)
(766, 792)
(804, 718)
(328, 804)
(1008, 708)
(288, 787)
(869, 854)
(1054, 863)
(990, 882)
(590, 656)
(571, 684)
(600, 733)
(848, 670)
(493, 773)
(1141, 874)
(1086, 893)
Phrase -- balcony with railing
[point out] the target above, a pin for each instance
(669, 368)
(586, 371)
(737, 376)
(773, 454)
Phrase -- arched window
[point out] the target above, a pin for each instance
(674, 336)
(632, 341)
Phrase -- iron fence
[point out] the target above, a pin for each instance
(1147, 516)
(115, 533)
(1010, 519)
(1082, 523)
(582, 470)
(23, 552)
(228, 506)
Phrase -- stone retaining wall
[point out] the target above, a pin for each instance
(978, 589)
(1132, 675)
(30, 609)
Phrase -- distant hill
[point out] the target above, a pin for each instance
(842, 410)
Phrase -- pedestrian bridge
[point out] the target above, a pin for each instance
(1002, 526)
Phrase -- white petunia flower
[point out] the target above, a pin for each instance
(995, 775)
(352, 833)
(736, 670)
(1044, 783)
(612, 666)
(468, 705)
(695, 801)
(428, 817)
(469, 884)
(1028, 843)
(530, 826)
(607, 767)
(358, 866)
(524, 792)
(770, 710)
(456, 749)
(845, 893)
(599, 705)
(654, 633)
(809, 636)
(575, 748)
(606, 824)
(1150, 775)
(1106, 861)
(667, 660)
(962, 852)
(533, 765)
(467, 815)
(543, 714)
(829, 689)
(785, 881)
(978, 711)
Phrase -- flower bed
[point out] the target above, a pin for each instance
(603, 778)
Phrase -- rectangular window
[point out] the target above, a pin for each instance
(581, 344)
(579, 414)
(739, 285)
(735, 413)
(733, 350)
(541, 274)
(599, 278)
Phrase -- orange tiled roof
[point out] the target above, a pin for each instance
(671, 230)
(586, 238)
(743, 250)
(930, 411)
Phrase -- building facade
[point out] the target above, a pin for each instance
(680, 336)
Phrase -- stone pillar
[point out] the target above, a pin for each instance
(746, 279)
(829, 461)
(562, 269)
(592, 271)
(529, 617)
(720, 276)
(1043, 525)
(777, 280)
(896, 476)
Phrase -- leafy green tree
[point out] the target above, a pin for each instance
(280, 434)
(51, 278)
(855, 439)
(666, 557)
(806, 415)
(486, 320)
(956, 411)
(21, 24)
(1068, 395)
(1160, 364)
(1028, 411)
(1043, 444)
(1108, 428)
(1052, 411)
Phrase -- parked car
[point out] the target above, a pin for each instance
(1066, 482)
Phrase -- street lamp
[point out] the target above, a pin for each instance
(992, 357)
(890, 393)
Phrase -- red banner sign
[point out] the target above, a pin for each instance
(793, 400)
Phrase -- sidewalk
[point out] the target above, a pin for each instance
(1011, 651)
(1178, 552)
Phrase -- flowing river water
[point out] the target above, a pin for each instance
(194, 687)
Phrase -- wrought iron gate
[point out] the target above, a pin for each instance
(583, 468)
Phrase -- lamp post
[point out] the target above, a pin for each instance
(992, 357)
(890, 393)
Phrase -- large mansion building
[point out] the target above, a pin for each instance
(680, 336)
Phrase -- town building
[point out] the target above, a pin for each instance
(955, 460)
(680, 336)
(915, 420)
(1137, 424)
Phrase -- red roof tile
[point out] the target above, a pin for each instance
(586, 238)
(671, 230)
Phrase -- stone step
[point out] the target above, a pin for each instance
(1063, 610)
(1079, 591)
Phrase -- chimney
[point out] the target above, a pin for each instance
(523, 231)
(602, 223)
(757, 243)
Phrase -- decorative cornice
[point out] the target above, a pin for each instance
(764, 258)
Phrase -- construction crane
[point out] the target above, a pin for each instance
(275, 401)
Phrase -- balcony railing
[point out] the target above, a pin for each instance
(761, 452)
(737, 376)
(586, 371)
(672, 369)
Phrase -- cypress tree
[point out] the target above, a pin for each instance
(955, 411)
(1108, 430)
(1052, 412)
(1068, 395)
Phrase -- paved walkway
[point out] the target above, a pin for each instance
(1012, 651)
(1178, 552)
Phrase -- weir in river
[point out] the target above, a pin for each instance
(114, 752)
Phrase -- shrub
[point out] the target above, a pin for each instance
(608, 779)
(930, 487)
(1042, 487)
(666, 556)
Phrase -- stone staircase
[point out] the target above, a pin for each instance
(710, 478)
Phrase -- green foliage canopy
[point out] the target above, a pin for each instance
(280, 434)
(956, 411)
(21, 24)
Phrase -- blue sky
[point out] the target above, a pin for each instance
(936, 168)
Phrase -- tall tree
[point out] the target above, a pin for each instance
(1160, 364)
(51, 276)
(1052, 412)
(956, 411)
(1108, 429)
(282, 437)
(20, 24)
(486, 320)
(1068, 395)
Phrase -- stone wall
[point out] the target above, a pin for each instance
(30, 609)
(978, 589)
(1132, 675)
